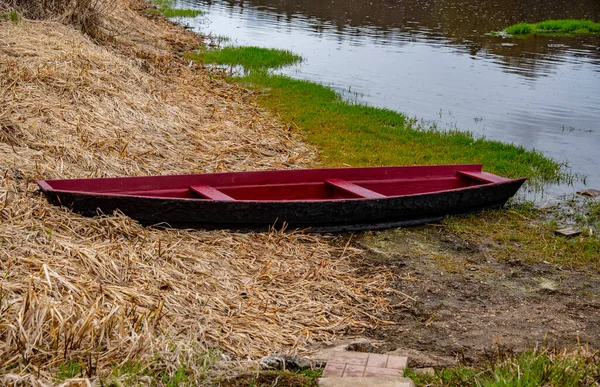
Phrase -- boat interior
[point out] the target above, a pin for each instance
(327, 189)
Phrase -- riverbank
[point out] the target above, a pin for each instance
(105, 298)
(108, 300)
(349, 134)
(445, 265)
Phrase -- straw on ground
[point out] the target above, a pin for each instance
(106, 292)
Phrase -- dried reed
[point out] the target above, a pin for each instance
(105, 291)
(87, 15)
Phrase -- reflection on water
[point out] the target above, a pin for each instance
(433, 59)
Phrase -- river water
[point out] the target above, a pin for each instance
(434, 60)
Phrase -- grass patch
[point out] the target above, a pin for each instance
(531, 368)
(250, 58)
(13, 16)
(358, 135)
(555, 27)
(527, 234)
(304, 378)
(166, 8)
(162, 372)
(68, 370)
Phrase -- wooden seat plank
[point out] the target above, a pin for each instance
(354, 189)
(211, 193)
(483, 176)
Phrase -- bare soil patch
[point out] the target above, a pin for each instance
(466, 301)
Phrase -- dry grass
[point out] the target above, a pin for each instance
(107, 291)
(87, 15)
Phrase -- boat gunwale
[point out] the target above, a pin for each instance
(206, 200)
(270, 172)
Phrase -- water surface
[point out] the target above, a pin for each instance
(434, 60)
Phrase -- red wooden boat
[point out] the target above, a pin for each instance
(345, 199)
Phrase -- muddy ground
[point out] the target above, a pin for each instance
(466, 302)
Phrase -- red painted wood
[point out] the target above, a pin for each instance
(323, 191)
(212, 193)
(162, 193)
(288, 185)
(417, 186)
(354, 189)
(301, 198)
(315, 191)
(275, 192)
(483, 176)
(151, 183)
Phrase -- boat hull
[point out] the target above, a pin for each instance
(317, 215)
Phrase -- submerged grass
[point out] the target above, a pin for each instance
(541, 367)
(358, 135)
(248, 57)
(167, 9)
(553, 27)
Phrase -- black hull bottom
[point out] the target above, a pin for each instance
(316, 216)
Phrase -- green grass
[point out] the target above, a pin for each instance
(533, 368)
(166, 8)
(304, 378)
(250, 58)
(192, 370)
(68, 370)
(133, 373)
(595, 211)
(13, 16)
(352, 134)
(528, 234)
(311, 374)
(555, 27)
(358, 135)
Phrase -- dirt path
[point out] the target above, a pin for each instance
(466, 301)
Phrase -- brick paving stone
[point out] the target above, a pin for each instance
(381, 371)
(344, 364)
(377, 360)
(397, 362)
(353, 371)
(334, 370)
(387, 381)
